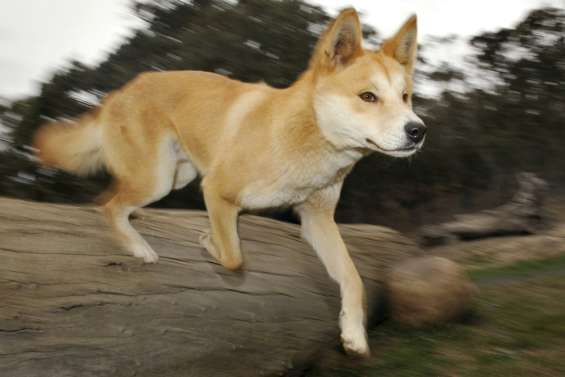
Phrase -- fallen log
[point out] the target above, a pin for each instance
(74, 304)
(523, 214)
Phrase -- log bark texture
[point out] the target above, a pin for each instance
(74, 304)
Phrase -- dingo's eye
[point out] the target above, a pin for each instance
(405, 97)
(368, 97)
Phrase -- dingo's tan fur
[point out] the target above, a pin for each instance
(254, 146)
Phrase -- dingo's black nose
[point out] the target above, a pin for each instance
(415, 131)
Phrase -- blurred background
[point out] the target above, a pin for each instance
(490, 86)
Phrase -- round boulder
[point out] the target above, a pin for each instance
(428, 290)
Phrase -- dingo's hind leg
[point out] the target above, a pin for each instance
(117, 211)
(139, 183)
(105, 196)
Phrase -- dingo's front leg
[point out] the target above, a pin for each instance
(321, 231)
(223, 241)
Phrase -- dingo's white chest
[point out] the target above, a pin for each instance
(292, 184)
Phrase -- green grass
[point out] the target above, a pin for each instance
(518, 330)
(520, 270)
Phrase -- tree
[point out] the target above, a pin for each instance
(479, 137)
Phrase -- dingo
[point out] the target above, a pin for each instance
(254, 146)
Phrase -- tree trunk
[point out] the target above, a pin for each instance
(74, 304)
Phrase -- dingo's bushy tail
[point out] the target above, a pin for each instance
(75, 147)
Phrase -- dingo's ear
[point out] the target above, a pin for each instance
(340, 44)
(402, 46)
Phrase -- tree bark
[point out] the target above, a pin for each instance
(74, 304)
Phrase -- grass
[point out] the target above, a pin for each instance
(520, 270)
(518, 330)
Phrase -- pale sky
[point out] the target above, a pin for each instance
(37, 36)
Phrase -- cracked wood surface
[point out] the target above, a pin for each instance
(74, 304)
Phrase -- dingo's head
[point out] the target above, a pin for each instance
(362, 99)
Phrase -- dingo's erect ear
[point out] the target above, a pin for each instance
(340, 44)
(402, 46)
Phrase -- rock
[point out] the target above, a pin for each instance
(428, 290)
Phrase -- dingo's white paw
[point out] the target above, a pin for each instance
(354, 337)
(145, 252)
(355, 345)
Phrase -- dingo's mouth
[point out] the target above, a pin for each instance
(399, 152)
